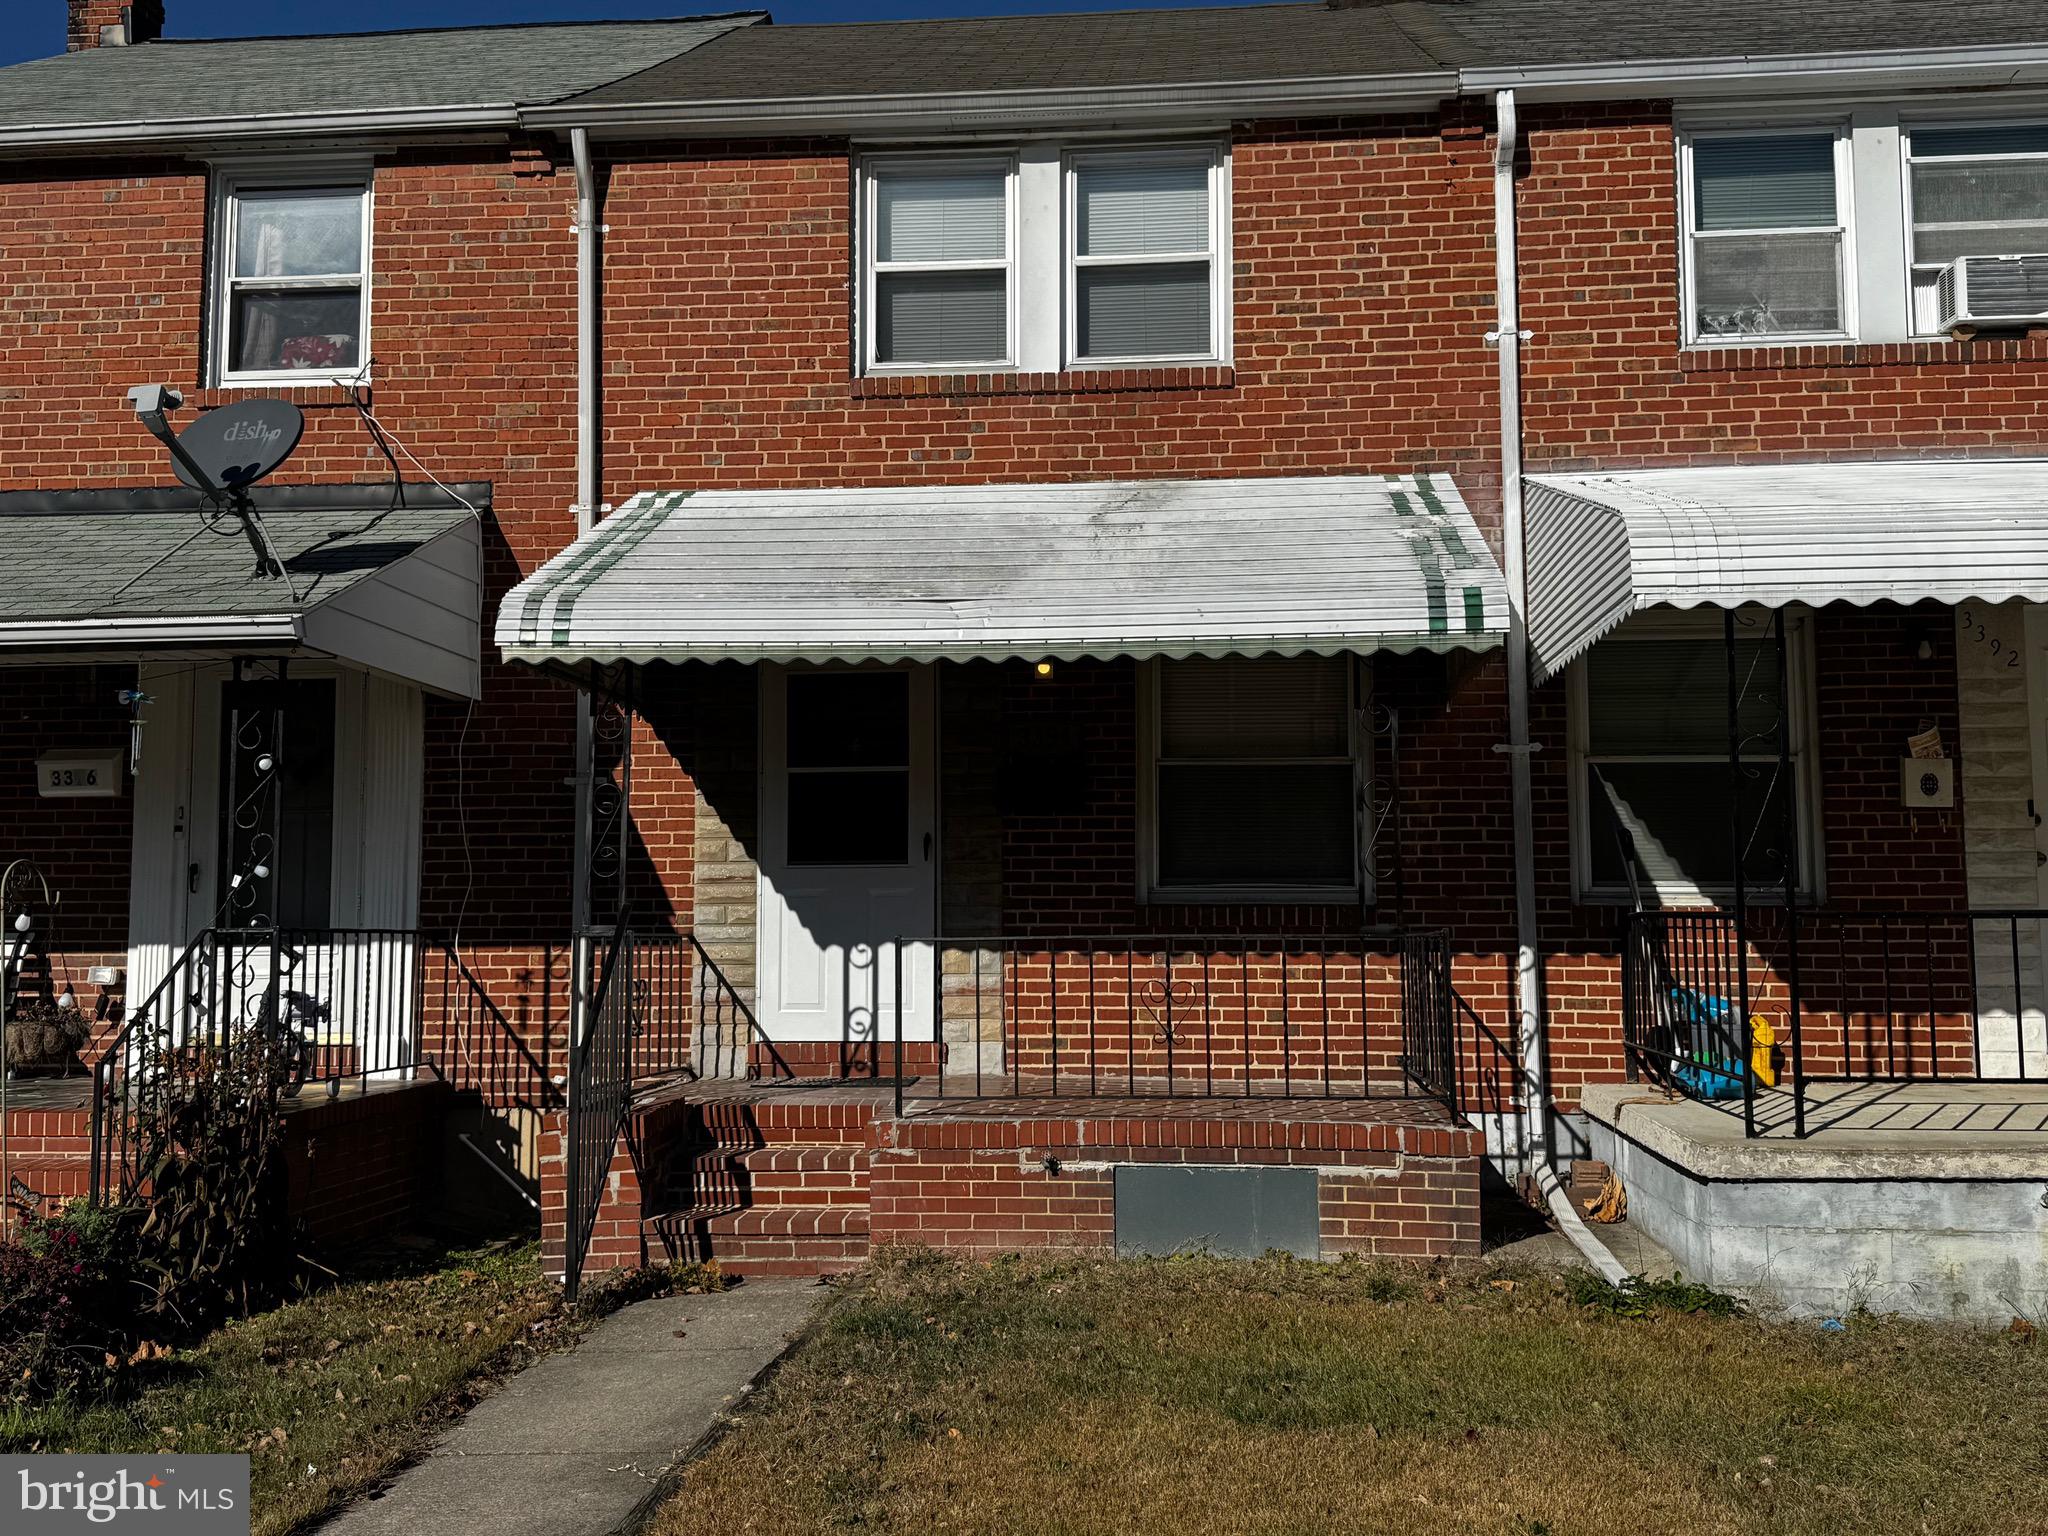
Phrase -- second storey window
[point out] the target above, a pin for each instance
(1766, 222)
(1144, 269)
(938, 290)
(292, 301)
(1048, 257)
(1978, 189)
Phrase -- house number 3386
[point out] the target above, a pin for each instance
(2002, 654)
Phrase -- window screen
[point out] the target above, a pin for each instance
(1657, 788)
(1144, 268)
(1254, 778)
(940, 254)
(1977, 190)
(1766, 236)
(295, 279)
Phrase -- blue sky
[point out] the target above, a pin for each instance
(38, 25)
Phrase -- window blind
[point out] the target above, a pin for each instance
(941, 317)
(1670, 697)
(1254, 706)
(1764, 181)
(1143, 311)
(940, 215)
(1152, 209)
(1982, 139)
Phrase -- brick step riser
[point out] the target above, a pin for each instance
(762, 1257)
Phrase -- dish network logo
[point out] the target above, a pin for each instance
(108, 1498)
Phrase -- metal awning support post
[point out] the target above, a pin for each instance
(1789, 827)
(1739, 1026)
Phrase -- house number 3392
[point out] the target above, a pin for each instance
(2002, 654)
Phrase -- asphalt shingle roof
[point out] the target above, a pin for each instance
(169, 564)
(171, 81)
(1277, 42)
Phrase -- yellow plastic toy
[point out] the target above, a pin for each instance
(1763, 1037)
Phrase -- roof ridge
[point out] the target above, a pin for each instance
(492, 26)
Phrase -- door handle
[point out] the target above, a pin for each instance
(927, 847)
(192, 879)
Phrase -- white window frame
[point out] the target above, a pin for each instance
(872, 168)
(1702, 624)
(1152, 890)
(1216, 157)
(230, 185)
(1906, 161)
(1844, 228)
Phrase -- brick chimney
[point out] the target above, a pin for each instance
(108, 23)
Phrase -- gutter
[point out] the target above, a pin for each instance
(185, 630)
(501, 117)
(1742, 75)
(954, 111)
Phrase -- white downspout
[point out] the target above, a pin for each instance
(589, 279)
(1535, 1152)
(588, 289)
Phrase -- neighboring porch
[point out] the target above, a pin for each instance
(213, 802)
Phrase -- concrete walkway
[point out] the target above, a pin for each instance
(574, 1444)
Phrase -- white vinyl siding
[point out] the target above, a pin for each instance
(1143, 233)
(939, 262)
(291, 300)
(1651, 791)
(1767, 240)
(1252, 778)
(1975, 189)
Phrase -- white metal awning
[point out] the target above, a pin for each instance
(1602, 547)
(1133, 568)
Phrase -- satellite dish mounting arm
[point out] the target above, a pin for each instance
(152, 402)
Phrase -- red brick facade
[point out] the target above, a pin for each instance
(1363, 286)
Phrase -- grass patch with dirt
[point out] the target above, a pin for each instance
(327, 1393)
(1183, 1396)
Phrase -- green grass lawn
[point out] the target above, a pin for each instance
(1194, 1397)
(330, 1392)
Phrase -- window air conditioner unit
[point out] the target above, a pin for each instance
(1979, 292)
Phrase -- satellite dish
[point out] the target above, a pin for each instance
(239, 444)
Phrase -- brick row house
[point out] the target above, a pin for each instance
(1133, 630)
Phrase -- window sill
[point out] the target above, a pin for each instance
(1076, 381)
(1721, 901)
(2002, 348)
(308, 378)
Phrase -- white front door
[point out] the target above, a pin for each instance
(848, 862)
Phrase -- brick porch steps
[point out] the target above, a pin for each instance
(764, 1240)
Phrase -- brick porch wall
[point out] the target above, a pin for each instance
(360, 1170)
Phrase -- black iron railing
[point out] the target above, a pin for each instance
(600, 1096)
(1750, 1014)
(344, 1005)
(1170, 1016)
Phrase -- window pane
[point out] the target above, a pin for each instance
(939, 215)
(849, 818)
(1764, 181)
(1254, 706)
(1146, 311)
(1982, 139)
(849, 720)
(298, 234)
(1767, 284)
(1673, 819)
(941, 317)
(1671, 696)
(304, 328)
(1256, 826)
(1143, 210)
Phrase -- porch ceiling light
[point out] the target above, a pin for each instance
(1043, 669)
